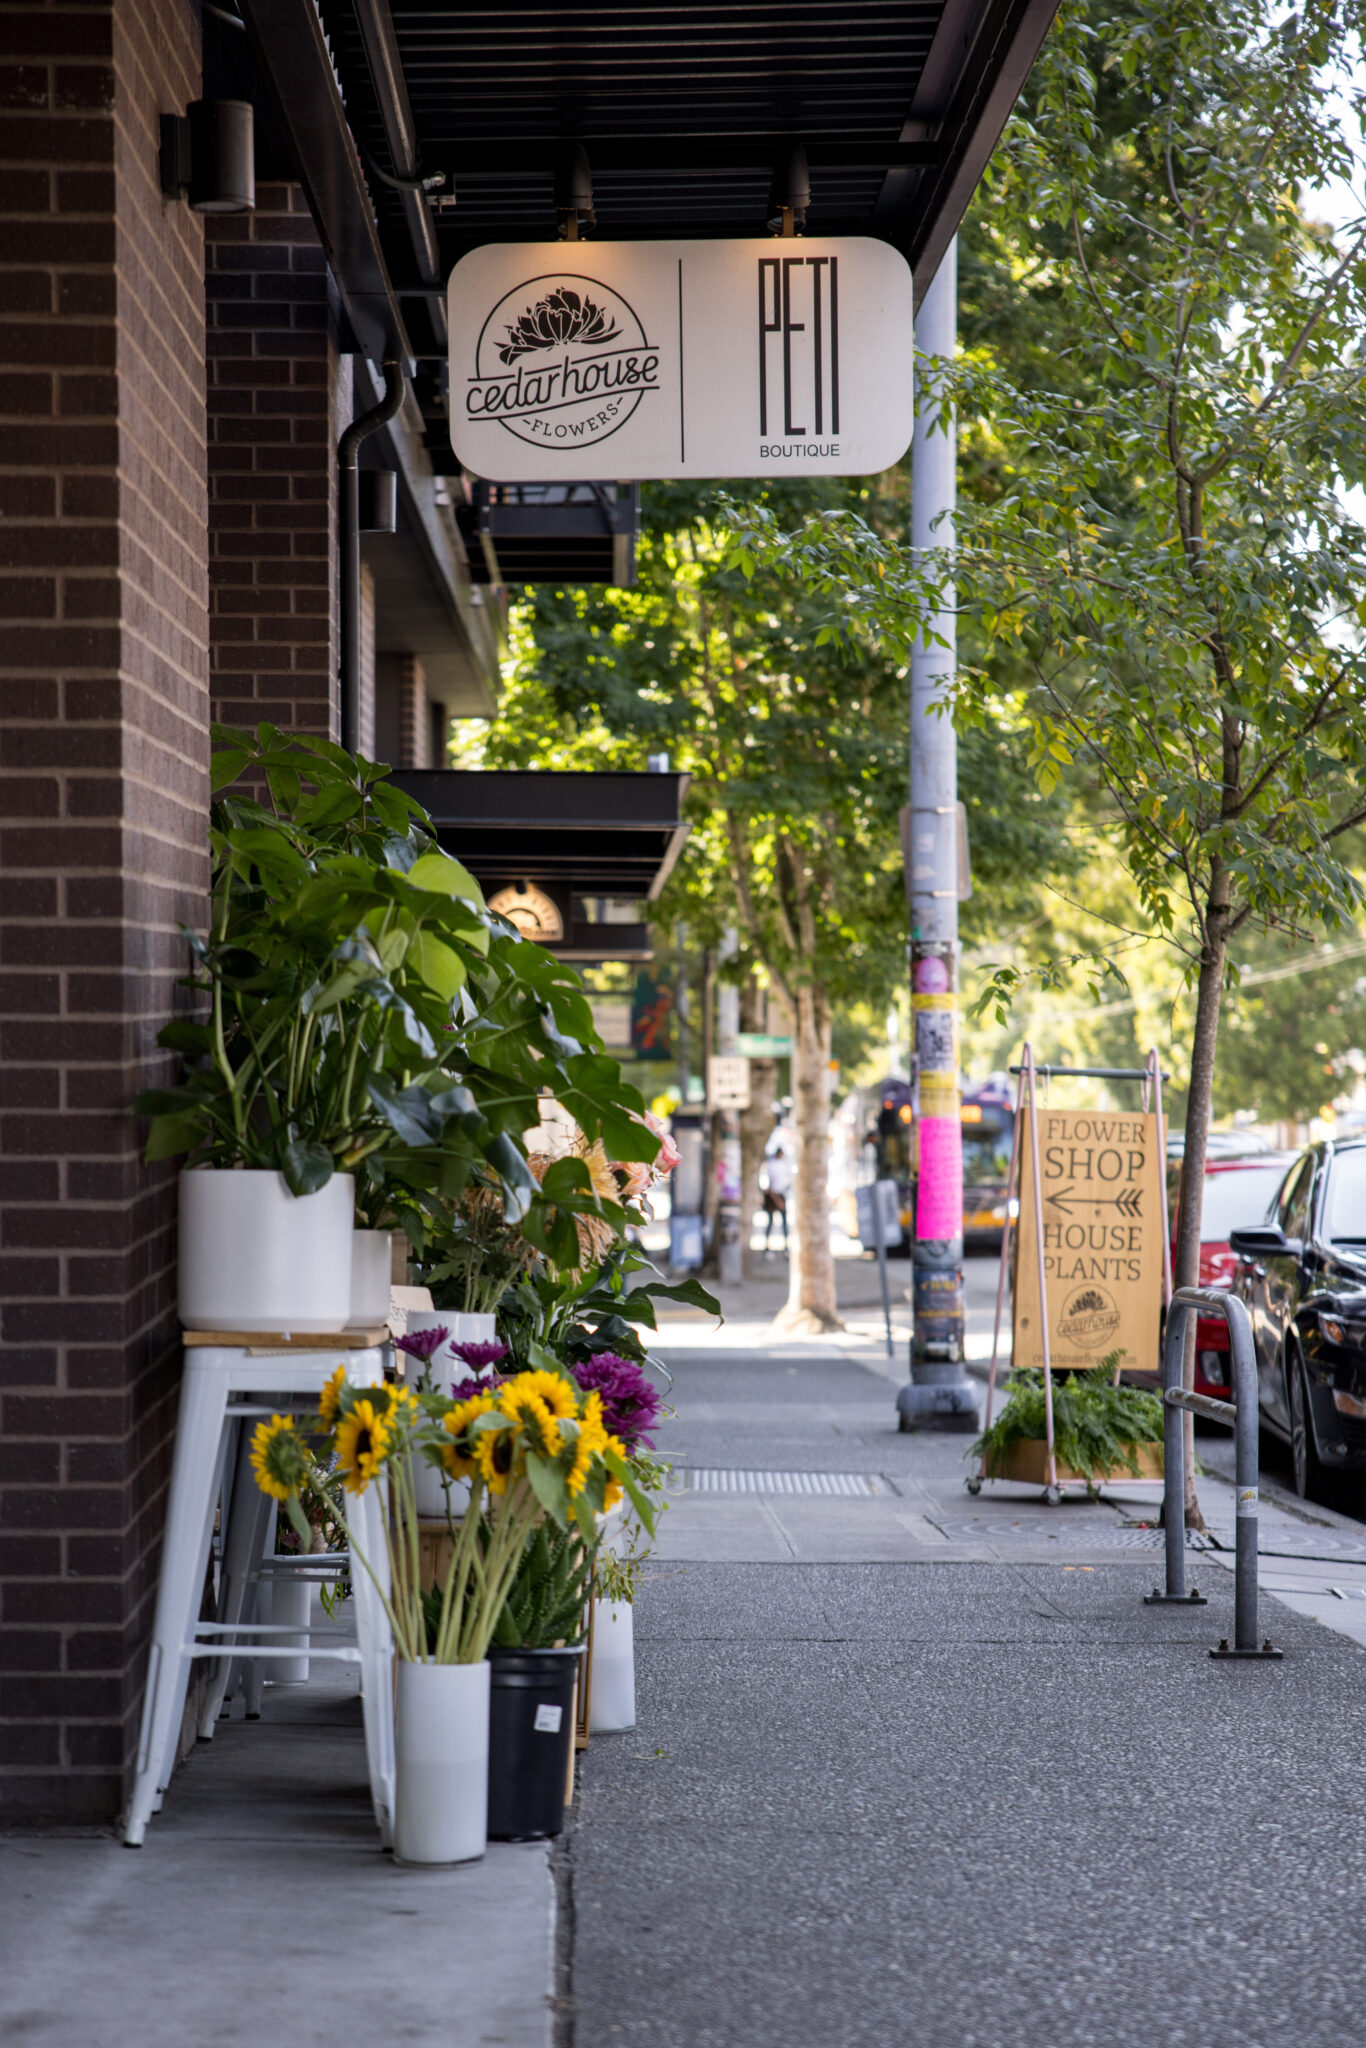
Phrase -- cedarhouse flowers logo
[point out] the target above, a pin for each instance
(561, 361)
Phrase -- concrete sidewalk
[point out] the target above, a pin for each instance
(914, 1770)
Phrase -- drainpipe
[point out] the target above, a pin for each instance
(400, 133)
(348, 517)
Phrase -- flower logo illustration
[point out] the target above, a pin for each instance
(562, 361)
(559, 317)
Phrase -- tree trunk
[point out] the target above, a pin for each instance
(1199, 1103)
(811, 1286)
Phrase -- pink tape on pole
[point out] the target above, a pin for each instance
(939, 1198)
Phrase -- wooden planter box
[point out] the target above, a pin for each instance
(1027, 1461)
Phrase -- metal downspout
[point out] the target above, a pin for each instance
(386, 71)
(348, 519)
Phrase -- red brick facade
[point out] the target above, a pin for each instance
(277, 388)
(103, 788)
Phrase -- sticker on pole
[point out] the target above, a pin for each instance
(633, 360)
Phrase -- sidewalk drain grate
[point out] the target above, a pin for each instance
(718, 1479)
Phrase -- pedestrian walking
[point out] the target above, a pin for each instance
(777, 1182)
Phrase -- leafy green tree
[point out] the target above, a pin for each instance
(1171, 555)
(796, 746)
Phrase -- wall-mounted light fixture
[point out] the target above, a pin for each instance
(208, 156)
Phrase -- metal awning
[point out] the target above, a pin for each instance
(605, 833)
(684, 110)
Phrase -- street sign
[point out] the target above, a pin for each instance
(1100, 1175)
(765, 1045)
(879, 1213)
(727, 1081)
(634, 360)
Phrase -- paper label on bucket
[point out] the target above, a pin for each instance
(548, 1720)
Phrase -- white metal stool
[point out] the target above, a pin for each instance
(237, 1379)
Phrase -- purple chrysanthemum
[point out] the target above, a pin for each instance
(465, 1390)
(630, 1402)
(423, 1344)
(479, 1357)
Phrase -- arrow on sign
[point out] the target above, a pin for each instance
(1128, 1201)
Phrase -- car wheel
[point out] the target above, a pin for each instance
(1310, 1479)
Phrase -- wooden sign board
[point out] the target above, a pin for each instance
(1101, 1179)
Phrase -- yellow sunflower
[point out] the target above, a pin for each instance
(592, 1438)
(277, 1457)
(362, 1445)
(329, 1400)
(495, 1454)
(528, 1409)
(457, 1421)
(559, 1397)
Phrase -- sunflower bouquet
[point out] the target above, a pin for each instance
(537, 1446)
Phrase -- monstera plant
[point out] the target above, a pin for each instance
(357, 1011)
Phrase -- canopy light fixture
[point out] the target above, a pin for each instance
(574, 193)
(790, 193)
(208, 156)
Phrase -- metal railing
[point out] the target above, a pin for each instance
(1242, 1413)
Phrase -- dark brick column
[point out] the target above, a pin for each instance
(103, 792)
(277, 389)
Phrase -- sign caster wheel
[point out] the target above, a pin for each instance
(1051, 1496)
(974, 1486)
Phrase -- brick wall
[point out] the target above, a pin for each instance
(103, 788)
(278, 398)
(403, 724)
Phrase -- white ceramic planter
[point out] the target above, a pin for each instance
(441, 1746)
(290, 1599)
(255, 1257)
(612, 1698)
(464, 1329)
(433, 1492)
(371, 1261)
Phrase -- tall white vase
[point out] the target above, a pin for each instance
(461, 1328)
(441, 1747)
(612, 1698)
(290, 1600)
(371, 1262)
(253, 1256)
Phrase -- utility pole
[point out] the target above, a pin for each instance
(939, 1395)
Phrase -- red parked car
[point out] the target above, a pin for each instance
(1239, 1192)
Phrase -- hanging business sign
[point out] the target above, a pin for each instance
(634, 360)
(1101, 1181)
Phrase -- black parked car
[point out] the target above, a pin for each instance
(1302, 1274)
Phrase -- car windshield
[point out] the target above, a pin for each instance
(1345, 1215)
(986, 1158)
(1238, 1198)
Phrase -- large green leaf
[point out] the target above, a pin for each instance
(306, 1166)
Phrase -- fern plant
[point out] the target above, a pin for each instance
(1097, 1425)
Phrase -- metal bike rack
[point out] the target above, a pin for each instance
(1242, 1413)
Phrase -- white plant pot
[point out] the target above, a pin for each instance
(433, 1492)
(441, 1745)
(290, 1607)
(255, 1257)
(371, 1261)
(612, 1697)
(463, 1329)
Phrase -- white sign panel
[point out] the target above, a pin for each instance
(727, 1081)
(633, 360)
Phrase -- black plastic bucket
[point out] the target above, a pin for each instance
(531, 1728)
